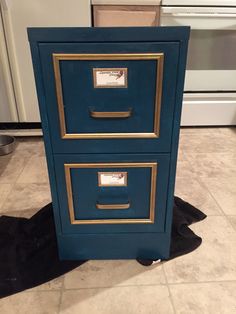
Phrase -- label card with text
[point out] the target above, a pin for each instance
(112, 77)
(112, 178)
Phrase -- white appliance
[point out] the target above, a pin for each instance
(8, 109)
(210, 84)
(18, 101)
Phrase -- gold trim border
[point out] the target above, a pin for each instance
(57, 57)
(150, 220)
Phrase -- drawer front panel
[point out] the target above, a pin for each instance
(101, 194)
(94, 104)
(124, 91)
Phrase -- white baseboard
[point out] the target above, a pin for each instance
(23, 132)
(209, 109)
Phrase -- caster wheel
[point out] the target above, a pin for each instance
(148, 262)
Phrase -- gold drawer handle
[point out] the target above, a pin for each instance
(110, 114)
(113, 206)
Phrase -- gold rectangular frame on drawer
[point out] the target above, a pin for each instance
(159, 57)
(150, 220)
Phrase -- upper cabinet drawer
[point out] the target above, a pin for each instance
(97, 95)
(109, 95)
(125, 15)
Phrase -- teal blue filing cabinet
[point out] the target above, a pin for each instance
(110, 102)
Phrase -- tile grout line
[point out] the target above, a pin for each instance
(114, 286)
(15, 182)
(224, 215)
(1, 207)
(200, 282)
(26, 161)
(139, 285)
(202, 184)
(167, 285)
(61, 294)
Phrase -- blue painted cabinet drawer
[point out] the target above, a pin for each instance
(112, 193)
(110, 97)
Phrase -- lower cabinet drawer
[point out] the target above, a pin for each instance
(112, 193)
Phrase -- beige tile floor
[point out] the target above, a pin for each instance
(201, 282)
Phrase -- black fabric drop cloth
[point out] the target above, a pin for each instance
(183, 239)
(28, 248)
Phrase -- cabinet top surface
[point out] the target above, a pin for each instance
(107, 34)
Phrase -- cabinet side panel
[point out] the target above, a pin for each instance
(46, 131)
(175, 133)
